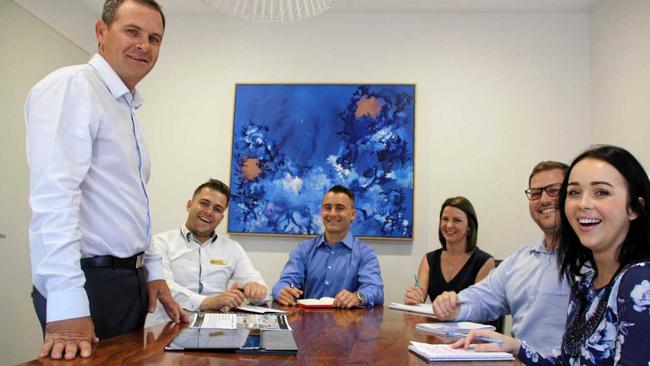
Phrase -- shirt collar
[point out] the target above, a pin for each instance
(348, 240)
(541, 248)
(189, 237)
(115, 85)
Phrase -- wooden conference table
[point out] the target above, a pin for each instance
(377, 336)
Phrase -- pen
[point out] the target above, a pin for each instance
(478, 338)
(417, 285)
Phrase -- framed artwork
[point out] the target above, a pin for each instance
(292, 142)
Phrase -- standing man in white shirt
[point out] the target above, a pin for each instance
(199, 263)
(88, 172)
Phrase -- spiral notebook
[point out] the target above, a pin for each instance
(443, 352)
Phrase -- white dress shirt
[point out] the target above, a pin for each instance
(195, 271)
(88, 169)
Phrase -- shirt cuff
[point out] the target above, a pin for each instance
(464, 304)
(194, 302)
(70, 304)
(155, 270)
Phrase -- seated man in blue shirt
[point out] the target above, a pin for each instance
(527, 284)
(334, 264)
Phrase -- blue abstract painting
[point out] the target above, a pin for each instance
(292, 142)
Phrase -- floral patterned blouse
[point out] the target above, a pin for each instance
(622, 337)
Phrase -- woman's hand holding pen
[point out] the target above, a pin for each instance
(414, 295)
(500, 343)
(288, 295)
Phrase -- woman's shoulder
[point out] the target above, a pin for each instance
(635, 272)
(434, 252)
(481, 255)
(634, 282)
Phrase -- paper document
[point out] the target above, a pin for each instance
(323, 302)
(215, 321)
(443, 352)
(451, 329)
(259, 309)
(263, 321)
(424, 309)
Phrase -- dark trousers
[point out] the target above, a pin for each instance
(118, 300)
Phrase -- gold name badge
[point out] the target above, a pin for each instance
(218, 262)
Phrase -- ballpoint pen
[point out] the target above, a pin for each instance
(417, 285)
(478, 338)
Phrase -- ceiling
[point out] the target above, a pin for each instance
(73, 18)
(379, 6)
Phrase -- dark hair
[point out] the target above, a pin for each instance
(464, 205)
(342, 189)
(215, 185)
(111, 6)
(636, 246)
(543, 166)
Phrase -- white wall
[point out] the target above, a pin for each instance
(29, 49)
(621, 75)
(496, 93)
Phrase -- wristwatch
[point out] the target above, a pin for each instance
(362, 299)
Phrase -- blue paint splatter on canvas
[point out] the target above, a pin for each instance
(292, 142)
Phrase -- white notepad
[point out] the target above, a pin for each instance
(424, 309)
(443, 352)
(323, 302)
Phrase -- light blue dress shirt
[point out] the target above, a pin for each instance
(527, 286)
(320, 270)
(88, 169)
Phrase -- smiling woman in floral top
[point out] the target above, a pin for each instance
(604, 251)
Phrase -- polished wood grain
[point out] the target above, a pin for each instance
(377, 336)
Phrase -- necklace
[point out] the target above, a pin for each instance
(580, 329)
(455, 263)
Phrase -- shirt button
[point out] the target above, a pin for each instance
(327, 282)
(329, 267)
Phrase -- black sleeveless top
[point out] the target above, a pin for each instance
(463, 279)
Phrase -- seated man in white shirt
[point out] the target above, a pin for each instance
(199, 264)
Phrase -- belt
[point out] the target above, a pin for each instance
(108, 261)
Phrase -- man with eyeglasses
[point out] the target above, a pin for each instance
(527, 284)
(206, 271)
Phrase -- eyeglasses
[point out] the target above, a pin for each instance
(551, 190)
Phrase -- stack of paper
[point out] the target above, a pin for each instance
(451, 329)
(443, 352)
(425, 309)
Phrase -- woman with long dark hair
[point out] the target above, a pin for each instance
(604, 251)
(459, 263)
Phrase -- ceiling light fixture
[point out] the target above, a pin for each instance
(270, 10)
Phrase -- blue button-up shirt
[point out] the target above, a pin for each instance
(527, 286)
(320, 270)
